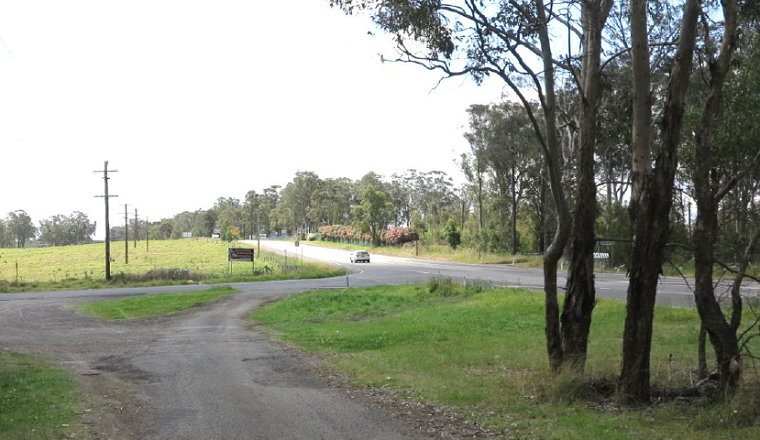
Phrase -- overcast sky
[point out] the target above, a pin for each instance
(194, 100)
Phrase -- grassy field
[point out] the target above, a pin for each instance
(483, 355)
(144, 306)
(37, 401)
(70, 267)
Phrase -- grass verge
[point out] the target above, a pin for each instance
(37, 401)
(483, 355)
(144, 306)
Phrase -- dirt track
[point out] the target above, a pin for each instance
(198, 375)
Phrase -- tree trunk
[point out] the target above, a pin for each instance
(580, 295)
(552, 160)
(722, 334)
(652, 192)
(542, 217)
(702, 371)
(513, 222)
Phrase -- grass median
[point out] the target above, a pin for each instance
(144, 306)
(37, 400)
(483, 355)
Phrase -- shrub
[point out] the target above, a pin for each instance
(314, 236)
(158, 274)
(401, 235)
(441, 285)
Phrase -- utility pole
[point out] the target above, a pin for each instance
(147, 234)
(126, 234)
(137, 229)
(258, 235)
(105, 172)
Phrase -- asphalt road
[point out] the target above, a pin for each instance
(672, 291)
(208, 375)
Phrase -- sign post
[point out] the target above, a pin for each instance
(241, 254)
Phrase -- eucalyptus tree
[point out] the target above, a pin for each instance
(331, 202)
(511, 153)
(652, 189)
(512, 40)
(475, 168)
(5, 235)
(296, 201)
(62, 230)
(374, 210)
(712, 183)
(21, 227)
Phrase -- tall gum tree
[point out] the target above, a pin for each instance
(709, 194)
(511, 40)
(652, 189)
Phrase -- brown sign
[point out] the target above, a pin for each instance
(240, 254)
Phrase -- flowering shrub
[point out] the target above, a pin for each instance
(401, 235)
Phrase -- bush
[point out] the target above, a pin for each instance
(401, 235)
(441, 285)
(158, 274)
(313, 237)
(452, 233)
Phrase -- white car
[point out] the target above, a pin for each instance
(358, 256)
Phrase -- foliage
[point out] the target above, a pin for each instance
(401, 235)
(375, 209)
(61, 230)
(452, 233)
(21, 227)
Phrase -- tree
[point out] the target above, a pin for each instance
(652, 189)
(6, 239)
(709, 193)
(61, 230)
(496, 38)
(21, 227)
(375, 209)
(452, 233)
(296, 201)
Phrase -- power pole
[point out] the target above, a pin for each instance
(137, 228)
(147, 234)
(258, 235)
(126, 234)
(105, 172)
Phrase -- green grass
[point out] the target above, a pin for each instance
(82, 266)
(484, 355)
(37, 401)
(143, 306)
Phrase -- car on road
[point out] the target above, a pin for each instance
(358, 256)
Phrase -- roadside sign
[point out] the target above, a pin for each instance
(297, 243)
(240, 254)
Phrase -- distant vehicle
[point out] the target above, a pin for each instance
(358, 256)
(263, 235)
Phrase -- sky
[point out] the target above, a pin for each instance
(191, 101)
